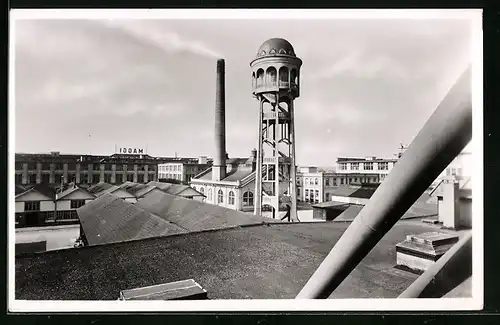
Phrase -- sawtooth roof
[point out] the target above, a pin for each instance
(194, 215)
(110, 219)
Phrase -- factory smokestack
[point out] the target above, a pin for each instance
(219, 165)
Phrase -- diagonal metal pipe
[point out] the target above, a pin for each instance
(443, 136)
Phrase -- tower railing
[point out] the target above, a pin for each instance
(441, 139)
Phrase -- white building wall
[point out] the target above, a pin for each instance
(47, 206)
(63, 205)
(465, 206)
(19, 207)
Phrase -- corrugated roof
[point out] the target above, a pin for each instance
(43, 189)
(194, 215)
(109, 219)
(100, 187)
(345, 191)
(20, 189)
(263, 262)
(70, 190)
(234, 175)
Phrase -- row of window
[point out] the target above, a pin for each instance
(84, 179)
(247, 196)
(366, 166)
(170, 168)
(72, 166)
(348, 180)
(169, 176)
(453, 171)
(35, 205)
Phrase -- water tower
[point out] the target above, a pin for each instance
(275, 83)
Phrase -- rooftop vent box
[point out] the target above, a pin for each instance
(180, 290)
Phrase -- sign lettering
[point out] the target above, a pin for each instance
(135, 151)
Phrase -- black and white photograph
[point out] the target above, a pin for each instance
(233, 160)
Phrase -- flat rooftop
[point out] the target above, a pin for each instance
(270, 261)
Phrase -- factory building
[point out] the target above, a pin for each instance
(368, 165)
(54, 169)
(183, 170)
(316, 185)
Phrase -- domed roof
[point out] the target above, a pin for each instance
(275, 46)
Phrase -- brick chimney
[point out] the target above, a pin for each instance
(219, 164)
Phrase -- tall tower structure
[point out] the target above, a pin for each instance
(275, 83)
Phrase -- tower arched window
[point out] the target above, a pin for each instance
(254, 80)
(260, 77)
(248, 198)
(294, 77)
(210, 194)
(271, 75)
(220, 197)
(283, 74)
(231, 198)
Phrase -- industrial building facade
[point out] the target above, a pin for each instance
(315, 185)
(183, 170)
(55, 169)
(368, 165)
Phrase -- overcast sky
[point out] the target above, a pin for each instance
(84, 86)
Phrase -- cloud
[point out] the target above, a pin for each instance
(169, 41)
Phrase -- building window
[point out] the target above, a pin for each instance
(248, 198)
(210, 194)
(327, 181)
(368, 166)
(32, 206)
(118, 178)
(341, 181)
(343, 166)
(327, 196)
(315, 181)
(75, 204)
(334, 181)
(202, 190)
(96, 178)
(355, 166)
(45, 178)
(58, 179)
(448, 171)
(453, 172)
(19, 179)
(107, 178)
(231, 198)
(220, 197)
(307, 194)
(84, 178)
(140, 178)
(307, 181)
(32, 179)
(383, 165)
(355, 179)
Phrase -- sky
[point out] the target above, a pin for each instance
(87, 86)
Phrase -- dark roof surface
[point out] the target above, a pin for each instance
(43, 189)
(194, 215)
(271, 261)
(110, 219)
(100, 187)
(236, 174)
